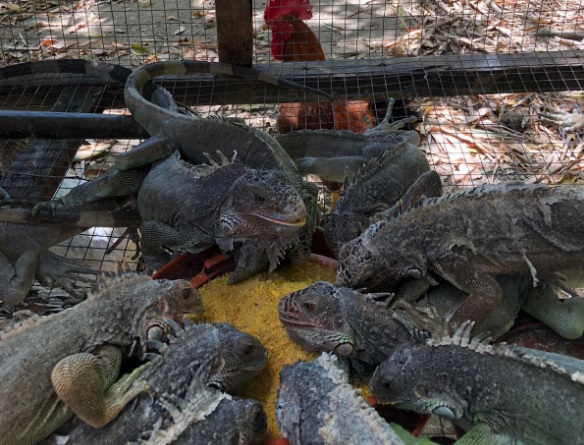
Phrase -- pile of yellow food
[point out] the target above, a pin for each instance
(252, 306)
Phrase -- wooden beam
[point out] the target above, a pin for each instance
(235, 31)
(361, 79)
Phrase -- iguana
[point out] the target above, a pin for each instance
(325, 317)
(24, 253)
(338, 155)
(317, 405)
(66, 364)
(243, 185)
(499, 394)
(378, 185)
(218, 355)
(208, 416)
(468, 237)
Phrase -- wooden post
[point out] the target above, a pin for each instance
(235, 31)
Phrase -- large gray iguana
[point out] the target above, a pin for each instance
(500, 394)
(24, 253)
(378, 185)
(468, 237)
(213, 181)
(217, 355)
(324, 317)
(317, 405)
(66, 364)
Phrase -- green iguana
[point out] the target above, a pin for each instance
(499, 394)
(324, 317)
(66, 364)
(468, 237)
(378, 185)
(217, 354)
(316, 405)
(207, 416)
(242, 190)
(338, 155)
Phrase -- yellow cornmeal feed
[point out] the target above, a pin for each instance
(252, 306)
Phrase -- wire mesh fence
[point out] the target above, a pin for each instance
(489, 134)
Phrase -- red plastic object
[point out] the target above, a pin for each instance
(209, 263)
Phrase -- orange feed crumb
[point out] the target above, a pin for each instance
(252, 306)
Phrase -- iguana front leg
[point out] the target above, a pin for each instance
(16, 280)
(568, 121)
(88, 384)
(113, 183)
(428, 185)
(55, 269)
(386, 126)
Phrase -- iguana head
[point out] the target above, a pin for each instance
(141, 308)
(365, 262)
(237, 358)
(409, 379)
(314, 318)
(262, 203)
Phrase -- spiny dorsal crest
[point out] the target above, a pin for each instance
(559, 364)
(127, 279)
(462, 337)
(373, 165)
(198, 404)
(31, 321)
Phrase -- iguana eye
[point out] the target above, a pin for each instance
(309, 306)
(259, 198)
(186, 293)
(248, 349)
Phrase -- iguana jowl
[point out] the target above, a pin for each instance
(66, 364)
(468, 237)
(500, 394)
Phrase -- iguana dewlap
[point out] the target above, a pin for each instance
(468, 237)
(66, 364)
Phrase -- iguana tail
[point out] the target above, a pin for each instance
(151, 116)
(106, 72)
